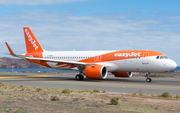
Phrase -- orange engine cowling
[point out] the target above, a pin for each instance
(96, 72)
(122, 74)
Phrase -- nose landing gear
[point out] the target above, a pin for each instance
(148, 78)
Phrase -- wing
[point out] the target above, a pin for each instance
(62, 63)
(59, 61)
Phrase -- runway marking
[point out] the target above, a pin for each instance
(87, 82)
(115, 85)
(28, 76)
(171, 83)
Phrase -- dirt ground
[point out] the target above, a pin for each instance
(25, 99)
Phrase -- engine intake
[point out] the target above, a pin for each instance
(123, 74)
(96, 72)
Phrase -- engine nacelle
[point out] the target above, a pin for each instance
(122, 74)
(96, 72)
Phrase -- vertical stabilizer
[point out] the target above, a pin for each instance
(32, 45)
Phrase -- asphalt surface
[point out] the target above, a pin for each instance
(110, 84)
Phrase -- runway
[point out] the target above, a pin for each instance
(110, 84)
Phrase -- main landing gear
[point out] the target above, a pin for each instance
(148, 78)
(79, 77)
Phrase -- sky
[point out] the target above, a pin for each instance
(66, 25)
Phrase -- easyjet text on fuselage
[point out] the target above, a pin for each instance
(132, 54)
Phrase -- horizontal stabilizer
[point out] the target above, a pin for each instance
(7, 53)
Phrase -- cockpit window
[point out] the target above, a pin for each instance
(161, 57)
(157, 57)
(165, 57)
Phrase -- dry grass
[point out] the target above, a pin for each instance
(163, 95)
(96, 91)
(54, 98)
(38, 89)
(68, 91)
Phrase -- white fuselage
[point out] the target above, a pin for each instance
(137, 64)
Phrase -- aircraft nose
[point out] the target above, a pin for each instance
(173, 65)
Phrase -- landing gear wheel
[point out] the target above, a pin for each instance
(148, 80)
(79, 77)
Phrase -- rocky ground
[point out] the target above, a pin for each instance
(25, 99)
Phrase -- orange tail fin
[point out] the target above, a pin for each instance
(32, 45)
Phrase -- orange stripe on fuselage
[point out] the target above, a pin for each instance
(122, 55)
(113, 56)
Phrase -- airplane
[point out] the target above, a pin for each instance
(95, 64)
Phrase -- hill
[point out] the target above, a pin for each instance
(17, 63)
